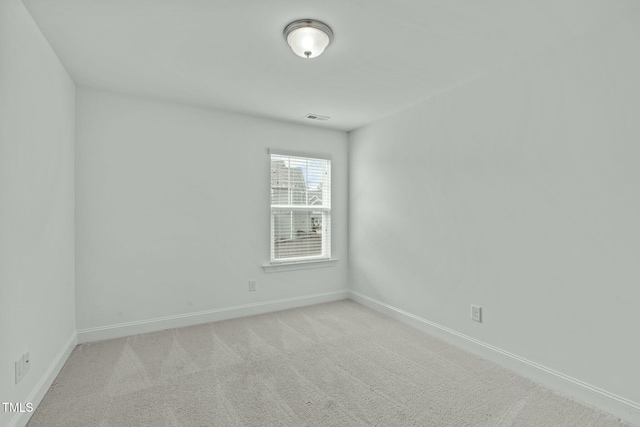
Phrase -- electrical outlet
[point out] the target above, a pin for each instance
(252, 285)
(476, 313)
(22, 366)
(19, 369)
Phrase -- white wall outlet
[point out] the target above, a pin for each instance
(19, 369)
(476, 313)
(252, 285)
(22, 366)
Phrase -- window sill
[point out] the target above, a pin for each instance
(299, 265)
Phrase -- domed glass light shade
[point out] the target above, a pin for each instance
(308, 38)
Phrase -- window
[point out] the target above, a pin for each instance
(300, 208)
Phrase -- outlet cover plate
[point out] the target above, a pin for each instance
(476, 313)
(19, 370)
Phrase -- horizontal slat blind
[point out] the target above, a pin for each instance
(300, 208)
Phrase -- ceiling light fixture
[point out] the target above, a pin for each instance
(308, 38)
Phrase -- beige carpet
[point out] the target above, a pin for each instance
(335, 364)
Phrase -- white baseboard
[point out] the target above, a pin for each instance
(189, 319)
(42, 386)
(579, 390)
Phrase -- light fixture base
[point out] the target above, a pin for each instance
(308, 23)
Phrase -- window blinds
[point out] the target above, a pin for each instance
(300, 208)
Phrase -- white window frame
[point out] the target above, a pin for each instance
(325, 209)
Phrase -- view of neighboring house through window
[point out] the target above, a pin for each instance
(300, 208)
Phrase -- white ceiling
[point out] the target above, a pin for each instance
(231, 54)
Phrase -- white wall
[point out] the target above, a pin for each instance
(37, 304)
(519, 192)
(173, 209)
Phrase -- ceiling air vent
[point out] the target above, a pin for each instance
(317, 117)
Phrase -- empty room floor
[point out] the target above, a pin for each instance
(333, 364)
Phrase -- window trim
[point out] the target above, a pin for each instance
(321, 156)
(286, 264)
(299, 265)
